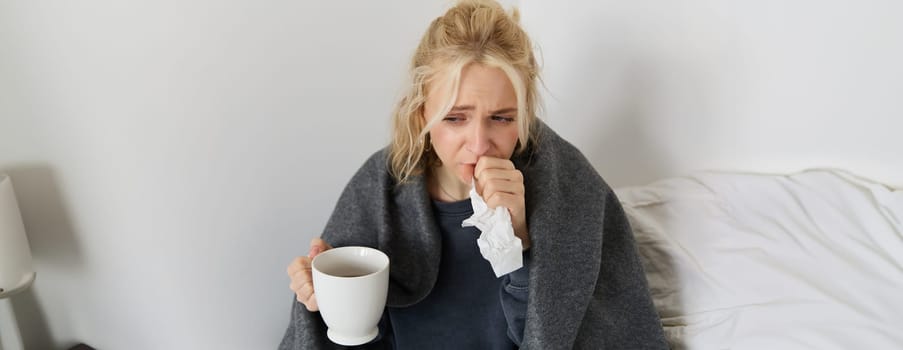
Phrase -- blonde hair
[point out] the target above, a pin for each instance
(472, 31)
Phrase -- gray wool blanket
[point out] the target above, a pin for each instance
(587, 289)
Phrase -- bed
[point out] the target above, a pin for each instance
(810, 260)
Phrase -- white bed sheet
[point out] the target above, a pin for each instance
(812, 260)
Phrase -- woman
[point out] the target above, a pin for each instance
(470, 119)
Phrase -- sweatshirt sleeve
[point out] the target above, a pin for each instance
(513, 294)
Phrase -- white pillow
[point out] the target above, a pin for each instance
(812, 260)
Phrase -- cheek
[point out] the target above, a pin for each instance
(443, 142)
(508, 141)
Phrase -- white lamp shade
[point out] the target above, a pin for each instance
(15, 255)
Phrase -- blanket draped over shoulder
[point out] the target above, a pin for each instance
(587, 289)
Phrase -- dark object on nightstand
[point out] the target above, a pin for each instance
(81, 347)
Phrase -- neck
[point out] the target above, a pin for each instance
(446, 187)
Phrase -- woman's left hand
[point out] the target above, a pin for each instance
(501, 184)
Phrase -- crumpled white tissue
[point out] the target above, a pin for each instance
(497, 242)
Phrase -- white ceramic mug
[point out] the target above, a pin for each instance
(351, 284)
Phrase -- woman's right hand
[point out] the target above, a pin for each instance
(299, 272)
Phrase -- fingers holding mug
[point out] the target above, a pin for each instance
(317, 246)
(301, 281)
(299, 272)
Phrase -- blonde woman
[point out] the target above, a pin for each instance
(470, 117)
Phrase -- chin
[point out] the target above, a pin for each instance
(465, 173)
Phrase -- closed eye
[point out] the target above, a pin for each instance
(453, 118)
(502, 119)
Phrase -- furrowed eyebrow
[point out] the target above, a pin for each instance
(470, 108)
(505, 111)
(462, 108)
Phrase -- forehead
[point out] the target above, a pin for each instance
(480, 85)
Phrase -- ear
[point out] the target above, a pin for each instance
(422, 112)
(421, 119)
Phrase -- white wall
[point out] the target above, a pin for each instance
(171, 157)
(654, 88)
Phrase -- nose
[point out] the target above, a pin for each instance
(478, 142)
